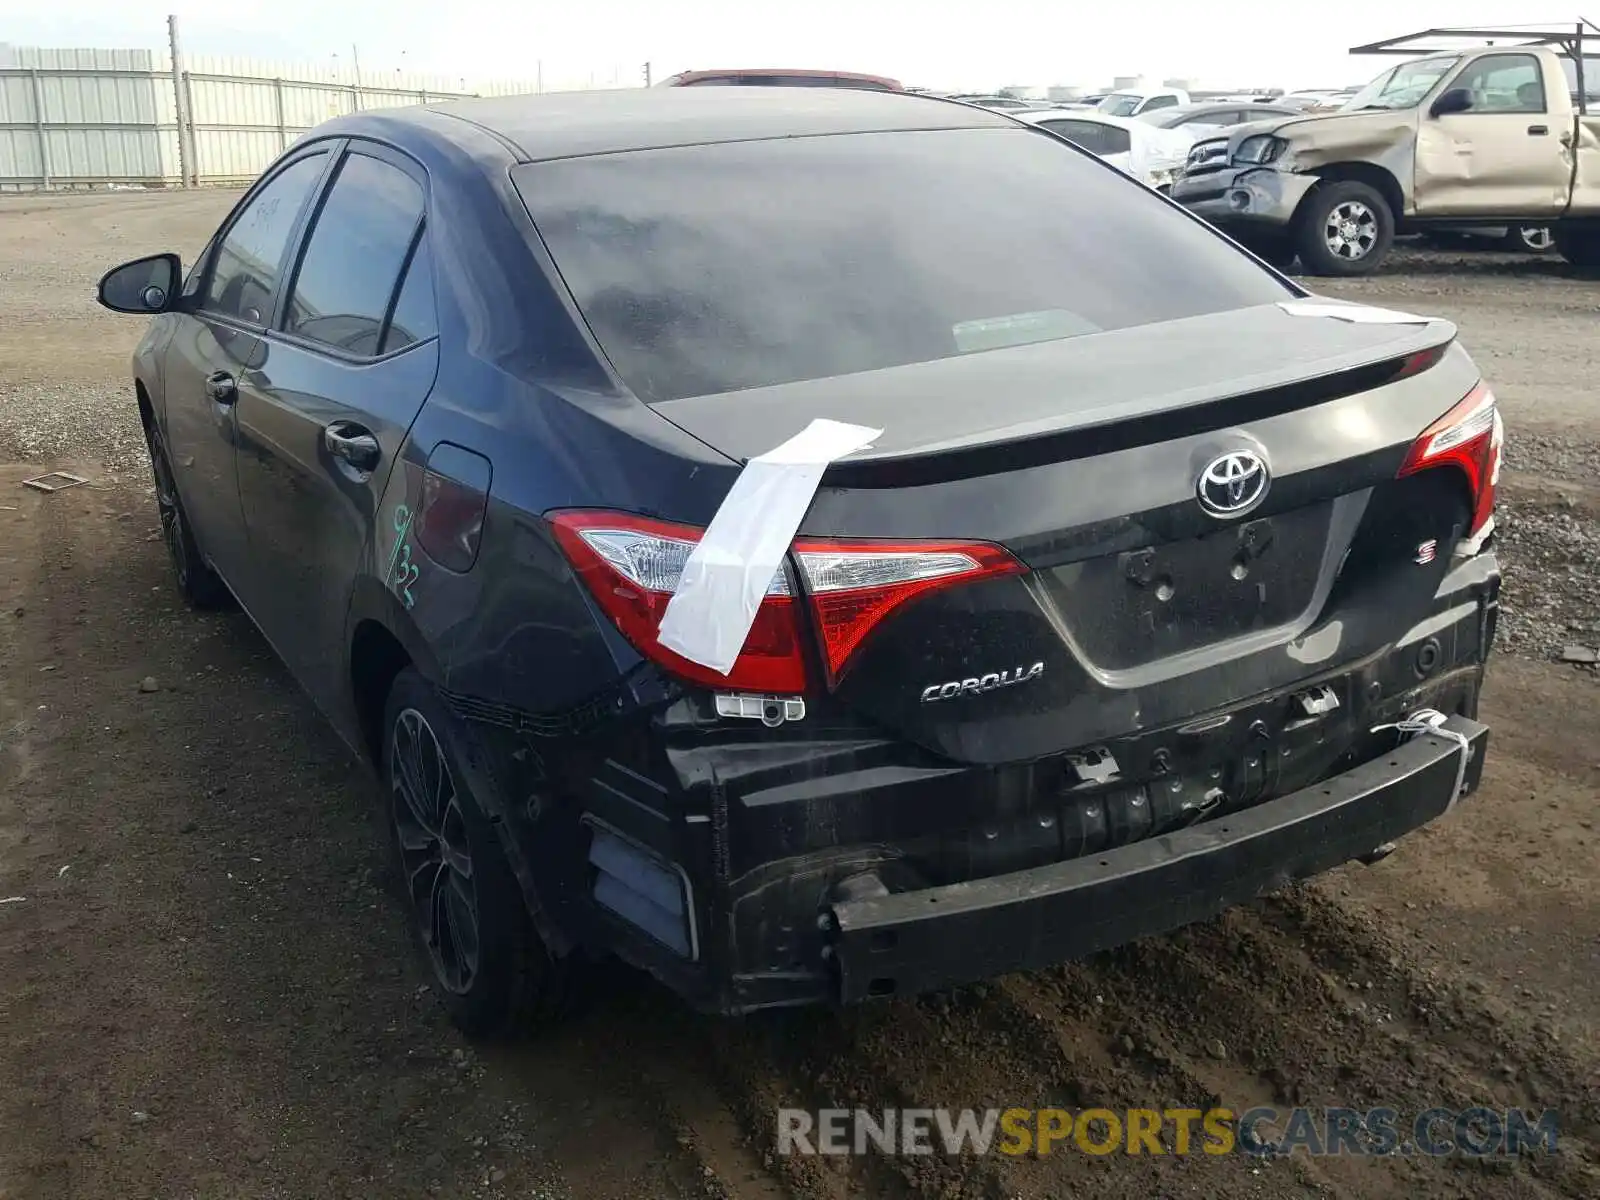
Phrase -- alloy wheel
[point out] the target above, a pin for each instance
(1351, 230)
(1537, 238)
(435, 855)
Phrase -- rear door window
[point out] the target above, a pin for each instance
(711, 268)
(414, 318)
(249, 260)
(1091, 135)
(354, 256)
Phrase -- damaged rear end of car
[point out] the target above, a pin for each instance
(1153, 594)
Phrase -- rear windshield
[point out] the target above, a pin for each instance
(712, 268)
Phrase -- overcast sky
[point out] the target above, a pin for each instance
(937, 43)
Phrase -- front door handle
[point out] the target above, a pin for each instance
(1538, 130)
(353, 444)
(222, 387)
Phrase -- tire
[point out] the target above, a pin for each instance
(201, 586)
(497, 980)
(1348, 215)
(1529, 239)
(1579, 244)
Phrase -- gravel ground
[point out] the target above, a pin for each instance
(207, 991)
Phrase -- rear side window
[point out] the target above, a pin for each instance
(1091, 135)
(706, 269)
(244, 276)
(414, 318)
(354, 256)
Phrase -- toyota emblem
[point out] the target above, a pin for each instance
(1233, 484)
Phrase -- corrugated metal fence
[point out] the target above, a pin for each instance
(96, 118)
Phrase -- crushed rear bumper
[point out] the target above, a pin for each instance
(914, 941)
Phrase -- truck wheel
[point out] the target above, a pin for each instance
(1529, 239)
(1345, 228)
(1579, 244)
(486, 960)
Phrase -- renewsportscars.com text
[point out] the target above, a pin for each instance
(1435, 1132)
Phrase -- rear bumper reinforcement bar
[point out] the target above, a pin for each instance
(910, 942)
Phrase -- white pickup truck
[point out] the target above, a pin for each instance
(1497, 135)
(1132, 103)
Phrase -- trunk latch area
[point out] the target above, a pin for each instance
(1317, 701)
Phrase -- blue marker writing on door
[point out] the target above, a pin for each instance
(402, 571)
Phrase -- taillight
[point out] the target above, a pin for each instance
(632, 566)
(1468, 437)
(853, 585)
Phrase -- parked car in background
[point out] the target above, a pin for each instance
(998, 103)
(1316, 101)
(1152, 155)
(1132, 103)
(1212, 114)
(1491, 136)
(782, 77)
(1101, 621)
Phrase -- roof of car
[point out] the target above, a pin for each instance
(1219, 105)
(570, 124)
(1078, 114)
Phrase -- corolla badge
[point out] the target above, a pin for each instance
(1233, 483)
(977, 684)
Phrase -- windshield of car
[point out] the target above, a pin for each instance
(712, 268)
(1404, 86)
(1120, 104)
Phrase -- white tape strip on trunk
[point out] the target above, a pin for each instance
(1360, 314)
(727, 574)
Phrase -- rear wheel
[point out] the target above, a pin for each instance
(467, 910)
(1529, 239)
(201, 586)
(1345, 228)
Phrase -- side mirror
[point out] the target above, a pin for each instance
(1456, 100)
(144, 286)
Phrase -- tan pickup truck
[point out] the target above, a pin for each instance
(1495, 135)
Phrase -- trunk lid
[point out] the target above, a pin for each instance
(1084, 457)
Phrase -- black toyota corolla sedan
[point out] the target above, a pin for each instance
(1151, 584)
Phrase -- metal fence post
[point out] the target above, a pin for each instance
(38, 125)
(178, 100)
(194, 151)
(283, 129)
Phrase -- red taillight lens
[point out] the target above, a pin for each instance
(632, 565)
(854, 585)
(1468, 437)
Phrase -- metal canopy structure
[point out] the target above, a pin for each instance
(1510, 37)
(1425, 42)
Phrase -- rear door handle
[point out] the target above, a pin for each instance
(1538, 130)
(348, 441)
(222, 387)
